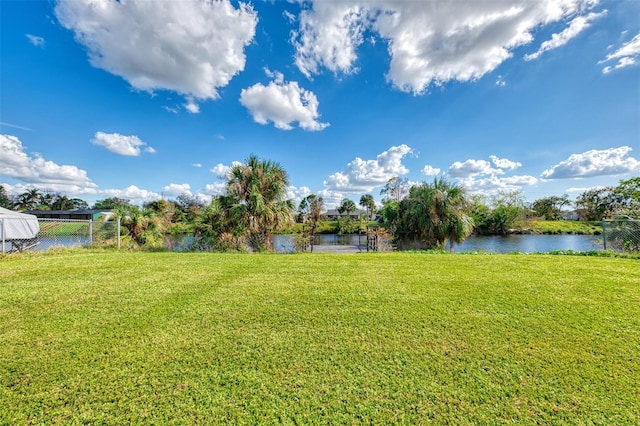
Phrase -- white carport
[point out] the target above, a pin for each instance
(19, 229)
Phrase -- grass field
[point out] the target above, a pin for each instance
(386, 338)
(561, 227)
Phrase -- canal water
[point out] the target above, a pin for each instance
(490, 244)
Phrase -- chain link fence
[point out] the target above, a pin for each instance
(56, 233)
(621, 235)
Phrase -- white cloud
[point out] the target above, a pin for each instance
(612, 161)
(329, 36)
(192, 107)
(36, 40)
(576, 26)
(504, 164)
(282, 103)
(332, 199)
(471, 168)
(364, 175)
(38, 172)
(479, 176)
(171, 110)
(132, 193)
(297, 194)
(197, 165)
(494, 184)
(580, 190)
(430, 171)
(120, 144)
(626, 55)
(221, 171)
(428, 42)
(217, 188)
(175, 189)
(500, 81)
(192, 47)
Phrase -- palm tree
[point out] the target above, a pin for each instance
(435, 213)
(258, 189)
(28, 200)
(369, 204)
(142, 225)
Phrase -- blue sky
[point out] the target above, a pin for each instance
(143, 100)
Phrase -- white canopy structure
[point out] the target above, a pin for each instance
(18, 228)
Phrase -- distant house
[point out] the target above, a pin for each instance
(570, 215)
(333, 214)
(75, 214)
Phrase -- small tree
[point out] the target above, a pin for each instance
(5, 201)
(596, 204)
(507, 208)
(345, 224)
(311, 208)
(550, 208)
(111, 203)
(396, 188)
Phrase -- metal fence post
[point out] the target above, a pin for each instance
(90, 232)
(2, 223)
(118, 233)
(604, 233)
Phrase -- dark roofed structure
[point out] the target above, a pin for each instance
(75, 214)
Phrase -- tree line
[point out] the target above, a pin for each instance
(254, 206)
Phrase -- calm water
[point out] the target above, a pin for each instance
(493, 244)
(530, 243)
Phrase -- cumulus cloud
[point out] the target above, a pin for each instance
(192, 107)
(175, 189)
(504, 164)
(430, 171)
(297, 193)
(282, 103)
(328, 37)
(626, 55)
(576, 26)
(132, 193)
(120, 144)
(35, 40)
(494, 184)
(428, 42)
(471, 168)
(364, 175)
(221, 171)
(217, 188)
(481, 176)
(612, 161)
(192, 47)
(332, 199)
(41, 173)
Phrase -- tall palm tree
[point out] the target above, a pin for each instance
(435, 213)
(258, 189)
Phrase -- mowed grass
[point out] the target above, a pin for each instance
(389, 338)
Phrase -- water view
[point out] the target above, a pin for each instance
(490, 244)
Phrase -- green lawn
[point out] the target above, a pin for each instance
(561, 227)
(386, 338)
